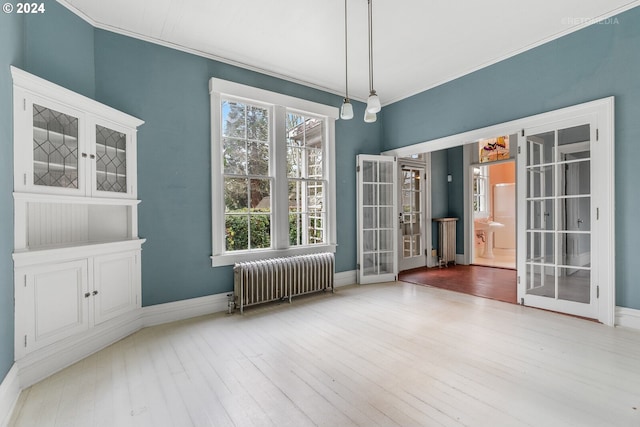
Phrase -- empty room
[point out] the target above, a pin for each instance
(338, 213)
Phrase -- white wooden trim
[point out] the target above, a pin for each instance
(506, 128)
(40, 364)
(628, 317)
(82, 200)
(77, 251)
(179, 310)
(255, 255)
(59, 94)
(9, 393)
(345, 278)
(238, 90)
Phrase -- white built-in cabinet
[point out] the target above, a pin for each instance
(76, 246)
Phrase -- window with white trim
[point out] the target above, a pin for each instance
(272, 174)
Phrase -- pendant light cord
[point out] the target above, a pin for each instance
(346, 56)
(370, 49)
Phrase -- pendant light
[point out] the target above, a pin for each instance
(346, 111)
(373, 102)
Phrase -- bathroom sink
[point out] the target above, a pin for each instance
(488, 227)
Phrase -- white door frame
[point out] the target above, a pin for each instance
(422, 261)
(604, 110)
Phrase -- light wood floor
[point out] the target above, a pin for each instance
(375, 355)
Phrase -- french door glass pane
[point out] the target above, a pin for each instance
(55, 148)
(111, 160)
(558, 183)
(574, 285)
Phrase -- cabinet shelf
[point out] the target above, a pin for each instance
(53, 253)
(110, 148)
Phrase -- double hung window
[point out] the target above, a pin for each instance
(272, 174)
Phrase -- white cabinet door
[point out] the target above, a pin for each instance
(116, 285)
(54, 300)
(49, 147)
(113, 161)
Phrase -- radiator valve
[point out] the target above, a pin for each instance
(231, 304)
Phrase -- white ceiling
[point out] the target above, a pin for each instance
(418, 44)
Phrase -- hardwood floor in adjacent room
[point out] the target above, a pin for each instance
(486, 282)
(391, 354)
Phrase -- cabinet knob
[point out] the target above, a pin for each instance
(92, 156)
(84, 155)
(87, 294)
(95, 292)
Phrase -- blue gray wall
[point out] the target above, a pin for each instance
(596, 62)
(168, 89)
(11, 53)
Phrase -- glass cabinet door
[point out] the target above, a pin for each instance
(55, 148)
(111, 160)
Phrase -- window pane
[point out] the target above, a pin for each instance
(233, 119)
(235, 194)
(235, 156)
(260, 195)
(258, 158)
(294, 162)
(260, 231)
(314, 163)
(236, 232)
(258, 123)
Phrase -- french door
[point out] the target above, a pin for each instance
(560, 167)
(377, 219)
(411, 233)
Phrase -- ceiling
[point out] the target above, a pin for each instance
(418, 44)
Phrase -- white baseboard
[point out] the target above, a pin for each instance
(628, 317)
(46, 361)
(179, 310)
(345, 278)
(9, 393)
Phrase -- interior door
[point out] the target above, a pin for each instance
(411, 231)
(557, 266)
(377, 219)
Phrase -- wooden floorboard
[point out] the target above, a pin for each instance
(391, 354)
(486, 282)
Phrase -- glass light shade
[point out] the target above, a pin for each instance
(373, 102)
(369, 117)
(346, 111)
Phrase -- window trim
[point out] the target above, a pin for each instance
(280, 104)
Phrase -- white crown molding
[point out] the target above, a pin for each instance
(9, 393)
(584, 24)
(197, 52)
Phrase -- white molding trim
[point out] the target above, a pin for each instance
(628, 317)
(9, 393)
(39, 86)
(345, 278)
(43, 363)
(180, 310)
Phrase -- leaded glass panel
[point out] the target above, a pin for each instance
(111, 160)
(55, 148)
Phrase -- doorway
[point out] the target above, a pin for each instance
(493, 230)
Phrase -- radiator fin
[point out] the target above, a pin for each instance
(257, 282)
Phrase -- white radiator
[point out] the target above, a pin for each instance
(446, 240)
(274, 279)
